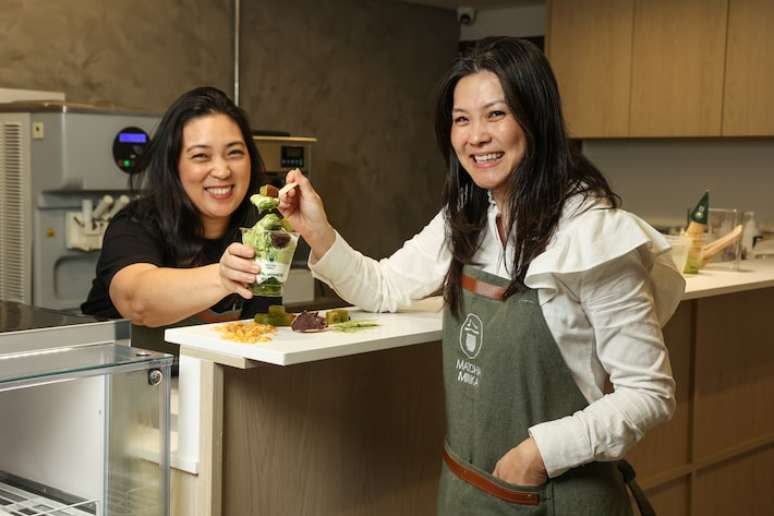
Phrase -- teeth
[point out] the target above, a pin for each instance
(219, 191)
(483, 158)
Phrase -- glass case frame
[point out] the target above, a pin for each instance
(87, 423)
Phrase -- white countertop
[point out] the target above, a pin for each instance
(718, 279)
(420, 324)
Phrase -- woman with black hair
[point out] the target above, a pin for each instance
(173, 255)
(550, 291)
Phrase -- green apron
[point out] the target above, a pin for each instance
(503, 373)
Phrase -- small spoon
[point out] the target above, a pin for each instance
(285, 189)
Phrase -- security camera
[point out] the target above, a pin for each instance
(466, 15)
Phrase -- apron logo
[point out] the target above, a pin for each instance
(471, 336)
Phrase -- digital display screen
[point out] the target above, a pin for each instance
(132, 138)
(292, 152)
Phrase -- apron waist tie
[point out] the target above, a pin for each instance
(643, 504)
(476, 479)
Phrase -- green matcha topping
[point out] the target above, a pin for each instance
(263, 203)
(270, 221)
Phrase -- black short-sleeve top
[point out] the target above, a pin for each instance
(128, 241)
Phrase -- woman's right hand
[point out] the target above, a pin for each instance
(303, 208)
(237, 269)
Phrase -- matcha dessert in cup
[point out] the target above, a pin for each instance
(274, 242)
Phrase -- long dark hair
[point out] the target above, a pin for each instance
(163, 201)
(550, 172)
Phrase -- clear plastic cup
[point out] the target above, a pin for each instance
(680, 245)
(274, 249)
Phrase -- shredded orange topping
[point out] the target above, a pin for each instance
(247, 333)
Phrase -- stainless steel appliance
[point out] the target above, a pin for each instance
(64, 172)
(280, 155)
(86, 426)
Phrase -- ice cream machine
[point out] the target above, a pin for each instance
(64, 171)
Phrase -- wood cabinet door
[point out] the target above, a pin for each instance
(589, 45)
(678, 56)
(748, 100)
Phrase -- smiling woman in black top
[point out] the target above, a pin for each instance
(173, 254)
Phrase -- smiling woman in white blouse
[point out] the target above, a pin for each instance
(550, 291)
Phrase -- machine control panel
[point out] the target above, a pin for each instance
(129, 144)
(283, 153)
(292, 156)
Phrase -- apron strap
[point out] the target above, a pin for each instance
(479, 481)
(483, 288)
(629, 475)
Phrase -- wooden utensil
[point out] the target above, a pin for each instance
(710, 250)
(285, 189)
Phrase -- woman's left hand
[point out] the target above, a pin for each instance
(237, 270)
(522, 465)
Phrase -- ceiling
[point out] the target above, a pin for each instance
(478, 4)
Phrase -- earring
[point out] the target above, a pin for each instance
(455, 178)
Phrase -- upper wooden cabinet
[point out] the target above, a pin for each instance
(748, 107)
(664, 68)
(678, 56)
(589, 45)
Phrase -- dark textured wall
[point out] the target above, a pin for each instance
(360, 75)
(137, 53)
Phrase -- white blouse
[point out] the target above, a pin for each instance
(606, 285)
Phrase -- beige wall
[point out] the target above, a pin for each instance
(660, 179)
(357, 74)
(137, 53)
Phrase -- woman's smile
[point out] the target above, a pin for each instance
(220, 192)
(487, 160)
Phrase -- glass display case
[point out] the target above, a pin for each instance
(85, 418)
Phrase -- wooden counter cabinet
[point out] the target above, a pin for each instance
(716, 456)
(347, 436)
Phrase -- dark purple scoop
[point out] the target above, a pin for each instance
(308, 321)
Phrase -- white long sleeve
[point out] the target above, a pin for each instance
(629, 349)
(415, 271)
